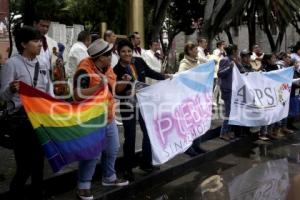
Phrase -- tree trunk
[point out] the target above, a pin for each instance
(156, 15)
(294, 22)
(159, 18)
(227, 31)
(282, 29)
(268, 33)
(279, 40)
(251, 23)
(208, 10)
(252, 35)
(171, 36)
(270, 38)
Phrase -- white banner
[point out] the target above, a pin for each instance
(177, 111)
(260, 98)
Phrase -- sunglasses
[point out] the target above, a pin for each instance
(106, 54)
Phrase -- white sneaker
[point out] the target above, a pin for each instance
(85, 196)
(119, 123)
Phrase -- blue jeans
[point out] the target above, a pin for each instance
(226, 128)
(108, 157)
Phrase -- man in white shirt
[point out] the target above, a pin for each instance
(219, 51)
(153, 59)
(78, 52)
(135, 39)
(110, 37)
(152, 56)
(47, 57)
(202, 46)
(218, 54)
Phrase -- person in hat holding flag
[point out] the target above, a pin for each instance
(92, 73)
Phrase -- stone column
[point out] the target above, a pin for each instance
(103, 28)
(136, 18)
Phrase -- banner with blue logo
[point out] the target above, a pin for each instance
(260, 98)
(177, 111)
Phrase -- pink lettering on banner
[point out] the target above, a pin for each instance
(185, 119)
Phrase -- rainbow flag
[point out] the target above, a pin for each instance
(68, 132)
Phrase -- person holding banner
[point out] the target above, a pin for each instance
(296, 52)
(130, 71)
(225, 77)
(284, 61)
(268, 63)
(188, 62)
(245, 65)
(26, 67)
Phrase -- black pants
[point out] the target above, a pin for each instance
(29, 158)
(129, 114)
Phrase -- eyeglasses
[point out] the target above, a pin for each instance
(107, 54)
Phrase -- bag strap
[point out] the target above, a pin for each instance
(36, 73)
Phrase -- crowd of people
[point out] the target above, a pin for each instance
(120, 63)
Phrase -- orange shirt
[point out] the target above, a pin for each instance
(88, 65)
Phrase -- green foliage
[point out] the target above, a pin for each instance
(87, 12)
(181, 15)
(92, 12)
(271, 15)
(173, 16)
(48, 9)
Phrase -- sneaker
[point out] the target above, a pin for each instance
(119, 123)
(148, 168)
(117, 182)
(190, 151)
(199, 150)
(84, 194)
(225, 137)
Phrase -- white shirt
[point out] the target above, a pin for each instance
(77, 53)
(218, 52)
(296, 57)
(48, 59)
(253, 57)
(114, 59)
(152, 61)
(202, 58)
(136, 54)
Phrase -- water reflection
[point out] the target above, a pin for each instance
(260, 170)
(266, 181)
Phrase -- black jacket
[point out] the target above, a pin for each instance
(142, 70)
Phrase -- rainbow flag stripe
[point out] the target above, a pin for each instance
(68, 132)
